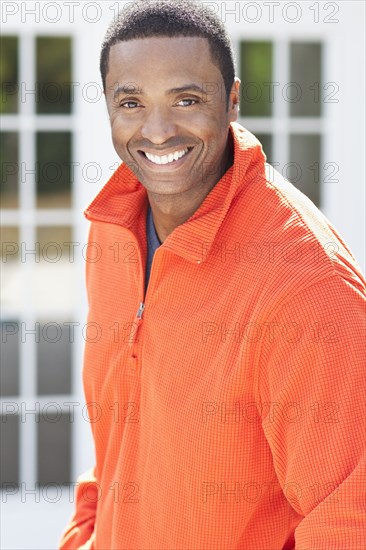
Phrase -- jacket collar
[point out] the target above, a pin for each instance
(123, 199)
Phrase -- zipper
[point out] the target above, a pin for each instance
(140, 310)
(138, 319)
(135, 328)
(142, 305)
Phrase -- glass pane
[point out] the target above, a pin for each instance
(306, 78)
(9, 448)
(9, 237)
(54, 445)
(9, 74)
(256, 78)
(11, 279)
(53, 75)
(54, 359)
(9, 358)
(54, 243)
(9, 169)
(53, 169)
(266, 141)
(54, 287)
(304, 170)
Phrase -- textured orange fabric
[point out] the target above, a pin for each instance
(229, 414)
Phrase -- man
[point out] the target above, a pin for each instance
(224, 388)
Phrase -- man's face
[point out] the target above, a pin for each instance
(168, 111)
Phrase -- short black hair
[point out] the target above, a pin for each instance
(148, 18)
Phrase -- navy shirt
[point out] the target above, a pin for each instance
(153, 243)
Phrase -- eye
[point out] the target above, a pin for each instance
(129, 104)
(187, 102)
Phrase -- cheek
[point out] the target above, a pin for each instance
(215, 137)
(120, 134)
(209, 125)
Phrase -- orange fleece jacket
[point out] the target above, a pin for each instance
(228, 412)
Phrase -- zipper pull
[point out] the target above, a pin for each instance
(136, 324)
(140, 310)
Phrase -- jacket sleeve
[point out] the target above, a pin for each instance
(79, 533)
(312, 395)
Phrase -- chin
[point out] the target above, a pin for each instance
(166, 190)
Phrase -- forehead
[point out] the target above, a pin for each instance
(159, 59)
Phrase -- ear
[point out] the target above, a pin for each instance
(234, 100)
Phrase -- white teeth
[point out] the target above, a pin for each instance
(166, 159)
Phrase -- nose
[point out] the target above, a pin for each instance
(158, 126)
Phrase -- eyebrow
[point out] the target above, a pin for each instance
(186, 88)
(128, 89)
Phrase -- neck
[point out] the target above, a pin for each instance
(169, 211)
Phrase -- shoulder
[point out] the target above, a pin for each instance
(291, 245)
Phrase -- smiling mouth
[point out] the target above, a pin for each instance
(166, 159)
